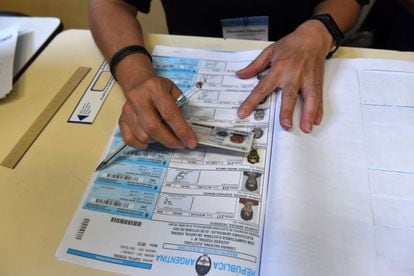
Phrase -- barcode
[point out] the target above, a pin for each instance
(126, 221)
(138, 153)
(112, 202)
(82, 228)
(120, 176)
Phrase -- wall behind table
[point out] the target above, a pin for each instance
(74, 13)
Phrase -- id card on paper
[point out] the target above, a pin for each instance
(252, 28)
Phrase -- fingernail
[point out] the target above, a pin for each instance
(308, 128)
(287, 124)
(192, 144)
(242, 113)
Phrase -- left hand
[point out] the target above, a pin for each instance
(296, 67)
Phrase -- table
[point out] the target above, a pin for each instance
(39, 197)
(34, 35)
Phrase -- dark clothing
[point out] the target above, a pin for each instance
(392, 26)
(402, 34)
(202, 18)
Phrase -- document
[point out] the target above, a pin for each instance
(338, 201)
(192, 211)
(8, 40)
(342, 198)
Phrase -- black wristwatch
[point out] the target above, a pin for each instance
(333, 29)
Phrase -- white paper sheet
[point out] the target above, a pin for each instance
(8, 40)
(343, 196)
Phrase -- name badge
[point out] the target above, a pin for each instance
(253, 28)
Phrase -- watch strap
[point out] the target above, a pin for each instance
(123, 53)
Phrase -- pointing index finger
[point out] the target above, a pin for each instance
(264, 88)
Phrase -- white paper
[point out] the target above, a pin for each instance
(343, 196)
(8, 40)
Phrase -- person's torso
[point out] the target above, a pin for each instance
(202, 18)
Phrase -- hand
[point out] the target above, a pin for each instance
(296, 66)
(151, 114)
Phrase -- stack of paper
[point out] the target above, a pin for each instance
(8, 40)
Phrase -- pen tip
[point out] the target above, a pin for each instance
(100, 166)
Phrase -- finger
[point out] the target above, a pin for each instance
(289, 99)
(319, 87)
(155, 128)
(143, 112)
(179, 131)
(260, 63)
(319, 113)
(130, 118)
(312, 110)
(129, 137)
(146, 124)
(309, 110)
(266, 86)
(172, 116)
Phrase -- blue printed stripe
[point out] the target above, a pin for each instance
(245, 21)
(107, 259)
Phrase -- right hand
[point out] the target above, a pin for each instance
(150, 114)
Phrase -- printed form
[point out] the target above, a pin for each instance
(191, 211)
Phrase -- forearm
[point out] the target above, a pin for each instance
(114, 25)
(344, 12)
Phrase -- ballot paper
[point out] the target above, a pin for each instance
(154, 211)
(8, 40)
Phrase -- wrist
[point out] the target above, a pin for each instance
(123, 53)
(134, 70)
(335, 32)
(316, 35)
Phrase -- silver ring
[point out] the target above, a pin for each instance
(181, 100)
